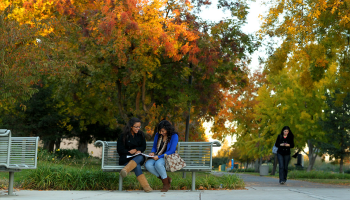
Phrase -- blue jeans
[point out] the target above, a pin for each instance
(138, 159)
(157, 167)
(283, 161)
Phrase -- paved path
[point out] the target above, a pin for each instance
(258, 193)
(261, 181)
(257, 188)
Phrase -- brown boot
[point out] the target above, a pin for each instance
(130, 166)
(169, 179)
(166, 184)
(160, 178)
(143, 181)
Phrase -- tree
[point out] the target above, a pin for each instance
(314, 43)
(111, 65)
(237, 118)
(41, 117)
(21, 56)
(336, 125)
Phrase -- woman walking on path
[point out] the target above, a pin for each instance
(131, 142)
(165, 142)
(284, 142)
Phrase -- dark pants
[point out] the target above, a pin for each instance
(138, 159)
(283, 161)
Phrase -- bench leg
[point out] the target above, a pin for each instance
(193, 181)
(11, 180)
(120, 183)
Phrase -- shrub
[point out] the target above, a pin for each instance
(317, 175)
(47, 177)
(242, 170)
(70, 153)
(62, 177)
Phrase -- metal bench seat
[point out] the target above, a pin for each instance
(197, 155)
(17, 153)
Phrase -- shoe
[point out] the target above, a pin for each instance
(170, 180)
(282, 182)
(130, 166)
(144, 183)
(166, 184)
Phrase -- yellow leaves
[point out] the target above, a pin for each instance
(304, 116)
(46, 31)
(321, 62)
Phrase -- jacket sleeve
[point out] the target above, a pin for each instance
(292, 142)
(173, 143)
(142, 148)
(154, 148)
(120, 146)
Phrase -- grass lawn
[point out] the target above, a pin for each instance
(327, 181)
(315, 177)
(86, 174)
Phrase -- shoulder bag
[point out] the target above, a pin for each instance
(174, 162)
(274, 148)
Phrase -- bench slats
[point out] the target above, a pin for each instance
(197, 155)
(18, 152)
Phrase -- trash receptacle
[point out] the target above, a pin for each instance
(264, 170)
(223, 167)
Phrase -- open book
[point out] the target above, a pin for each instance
(130, 156)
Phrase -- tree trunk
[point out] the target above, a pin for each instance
(312, 156)
(83, 147)
(58, 143)
(341, 164)
(49, 145)
(274, 166)
(260, 162)
(256, 165)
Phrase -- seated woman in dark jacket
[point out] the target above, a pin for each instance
(131, 142)
(284, 142)
(165, 142)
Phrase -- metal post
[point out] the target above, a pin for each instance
(120, 182)
(189, 111)
(193, 181)
(11, 180)
(187, 132)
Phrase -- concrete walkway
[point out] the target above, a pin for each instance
(253, 193)
(257, 188)
(261, 181)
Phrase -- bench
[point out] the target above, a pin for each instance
(197, 155)
(17, 153)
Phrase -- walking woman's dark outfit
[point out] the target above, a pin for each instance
(283, 154)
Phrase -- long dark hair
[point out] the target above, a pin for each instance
(170, 130)
(128, 127)
(287, 128)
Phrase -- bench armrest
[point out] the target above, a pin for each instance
(216, 144)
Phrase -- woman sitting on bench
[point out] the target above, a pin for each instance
(131, 142)
(165, 142)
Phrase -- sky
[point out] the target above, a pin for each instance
(252, 26)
